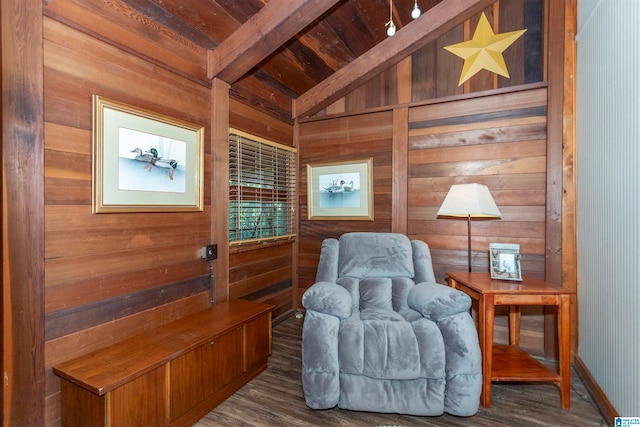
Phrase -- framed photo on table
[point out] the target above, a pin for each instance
(340, 190)
(504, 261)
(144, 161)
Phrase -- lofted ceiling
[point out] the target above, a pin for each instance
(292, 58)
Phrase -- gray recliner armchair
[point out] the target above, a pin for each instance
(381, 335)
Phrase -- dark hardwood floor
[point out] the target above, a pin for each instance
(274, 398)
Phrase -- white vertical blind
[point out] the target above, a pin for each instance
(608, 184)
(261, 189)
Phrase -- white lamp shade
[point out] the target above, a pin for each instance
(464, 200)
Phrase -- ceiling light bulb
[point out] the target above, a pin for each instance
(415, 13)
(392, 28)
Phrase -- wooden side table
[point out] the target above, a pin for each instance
(508, 362)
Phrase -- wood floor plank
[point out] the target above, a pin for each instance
(274, 398)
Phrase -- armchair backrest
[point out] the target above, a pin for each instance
(370, 255)
(375, 255)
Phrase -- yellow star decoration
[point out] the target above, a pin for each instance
(484, 50)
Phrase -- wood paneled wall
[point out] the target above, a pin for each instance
(497, 138)
(21, 205)
(490, 130)
(110, 276)
(341, 139)
(262, 272)
(435, 72)
(107, 277)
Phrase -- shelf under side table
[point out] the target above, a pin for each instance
(509, 363)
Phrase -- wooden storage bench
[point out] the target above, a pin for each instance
(172, 375)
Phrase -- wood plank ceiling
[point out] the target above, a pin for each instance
(288, 57)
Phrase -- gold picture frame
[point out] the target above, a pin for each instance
(340, 190)
(144, 161)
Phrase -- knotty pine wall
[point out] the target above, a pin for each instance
(110, 276)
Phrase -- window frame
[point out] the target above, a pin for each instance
(272, 187)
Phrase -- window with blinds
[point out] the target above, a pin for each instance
(261, 189)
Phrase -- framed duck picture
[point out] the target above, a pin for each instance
(144, 161)
(340, 190)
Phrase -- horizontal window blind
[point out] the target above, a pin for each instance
(261, 189)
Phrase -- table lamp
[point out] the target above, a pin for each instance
(469, 201)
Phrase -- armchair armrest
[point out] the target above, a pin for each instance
(435, 301)
(328, 298)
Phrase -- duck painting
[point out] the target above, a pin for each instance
(347, 188)
(158, 161)
(335, 187)
(143, 157)
(147, 157)
(152, 159)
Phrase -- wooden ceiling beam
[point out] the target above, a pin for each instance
(431, 25)
(267, 30)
